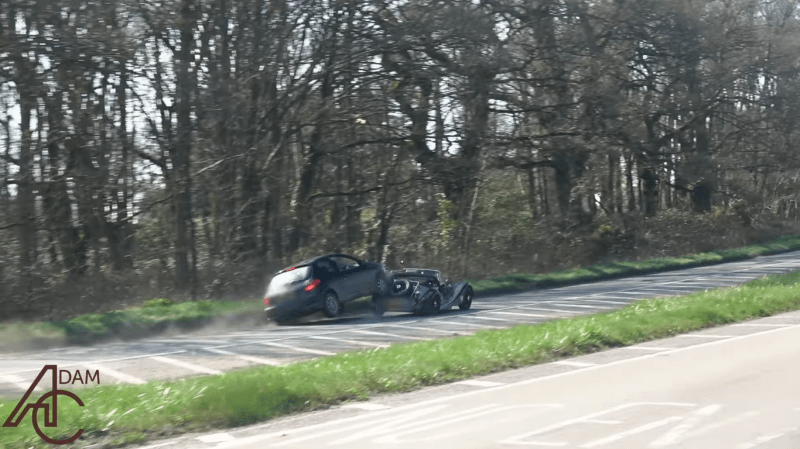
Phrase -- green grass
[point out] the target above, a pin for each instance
(160, 314)
(136, 413)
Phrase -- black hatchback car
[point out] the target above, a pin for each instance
(323, 283)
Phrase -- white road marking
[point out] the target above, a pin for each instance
(442, 331)
(354, 342)
(759, 440)
(572, 363)
(533, 315)
(119, 359)
(759, 325)
(358, 420)
(524, 439)
(370, 406)
(259, 360)
(706, 336)
(583, 306)
(295, 348)
(481, 317)
(678, 433)
(634, 431)
(389, 335)
(649, 348)
(605, 301)
(216, 438)
(16, 381)
(467, 324)
(189, 366)
(480, 383)
(115, 374)
(551, 310)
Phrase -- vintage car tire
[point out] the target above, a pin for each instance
(434, 304)
(400, 287)
(466, 298)
(331, 305)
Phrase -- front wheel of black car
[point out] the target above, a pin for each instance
(331, 305)
(466, 299)
(382, 282)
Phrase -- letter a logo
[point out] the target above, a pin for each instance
(50, 419)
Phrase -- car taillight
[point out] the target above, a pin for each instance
(266, 301)
(312, 285)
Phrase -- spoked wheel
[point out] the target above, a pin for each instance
(332, 306)
(382, 285)
(466, 299)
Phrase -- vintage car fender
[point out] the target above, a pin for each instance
(455, 291)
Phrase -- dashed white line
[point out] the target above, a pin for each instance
(481, 317)
(189, 366)
(354, 342)
(605, 301)
(457, 323)
(127, 378)
(390, 335)
(442, 331)
(583, 306)
(550, 310)
(533, 315)
(259, 360)
(295, 348)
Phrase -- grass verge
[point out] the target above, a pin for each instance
(159, 315)
(117, 415)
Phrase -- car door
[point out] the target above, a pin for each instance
(355, 275)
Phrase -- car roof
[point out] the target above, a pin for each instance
(316, 258)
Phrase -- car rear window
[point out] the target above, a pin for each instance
(282, 280)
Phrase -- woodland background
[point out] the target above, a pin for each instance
(192, 147)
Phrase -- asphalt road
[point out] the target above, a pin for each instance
(732, 387)
(212, 353)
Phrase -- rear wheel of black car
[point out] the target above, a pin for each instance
(466, 299)
(434, 304)
(331, 305)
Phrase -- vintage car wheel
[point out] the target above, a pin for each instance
(466, 299)
(434, 304)
(331, 305)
